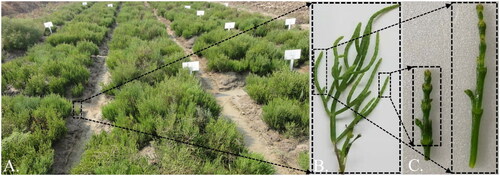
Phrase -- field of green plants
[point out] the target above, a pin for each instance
(47, 78)
(22, 33)
(39, 87)
(259, 52)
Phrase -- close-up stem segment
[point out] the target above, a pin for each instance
(477, 96)
(347, 75)
(425, 124)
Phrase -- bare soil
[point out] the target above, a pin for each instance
(228, 88)
(29, 9)
(69, 149)
(274, 9)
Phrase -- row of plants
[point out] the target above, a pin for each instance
(283, 93)
(209, 27)
(91, 25)
(140, 44)
(21, 33)
(61, 64)
(169, 102)
(30, 125)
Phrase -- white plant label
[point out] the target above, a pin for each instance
(289, 22)
(200, 13)
(229, 25)
(292, 55)
(226, 4)
(48, 24)
(192, 66)
(110, 5)
(187, 7)
(84, 3)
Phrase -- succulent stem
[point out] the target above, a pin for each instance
(477, 97)
(425, 124)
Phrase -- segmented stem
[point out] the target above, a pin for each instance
(425, 124)
(477, 97)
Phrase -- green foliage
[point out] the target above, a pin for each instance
(66, 13)
(77, 90)
(284, 95)
(144, 29)
(113, 153)
(304, 160)
(283, 83)
(177, 108)
(134, 11)
(61, 65)
(193, 26)
(247, 21)
(240, 54)
(292, 39)
(90, 25)
(99, 14)
(78, 31)
(139, 46)
(287, 115)
(246, 166)
(19, 34)
(29, 127)
(87, 47)
(48, 69)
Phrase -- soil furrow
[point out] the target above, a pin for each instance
(68, 149)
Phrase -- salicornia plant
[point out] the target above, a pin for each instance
(347, 75)
(477, 97)
(425, 124)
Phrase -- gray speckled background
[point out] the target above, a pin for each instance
(426, 41)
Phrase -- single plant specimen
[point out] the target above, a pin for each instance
(477, 97)
(347, 75)
(425, 124)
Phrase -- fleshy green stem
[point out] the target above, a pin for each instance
(477, 97)
(425, 124)
(346, 78)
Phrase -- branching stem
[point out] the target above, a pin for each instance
(346, 78)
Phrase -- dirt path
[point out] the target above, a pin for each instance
(69, 149)
(228, 88)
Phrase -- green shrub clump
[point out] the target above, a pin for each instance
(240, 54)
(78, 31)
(292, 39)
(285, 97)
(283, 83)
(30, 125)
(19, 34)
(287, 116)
